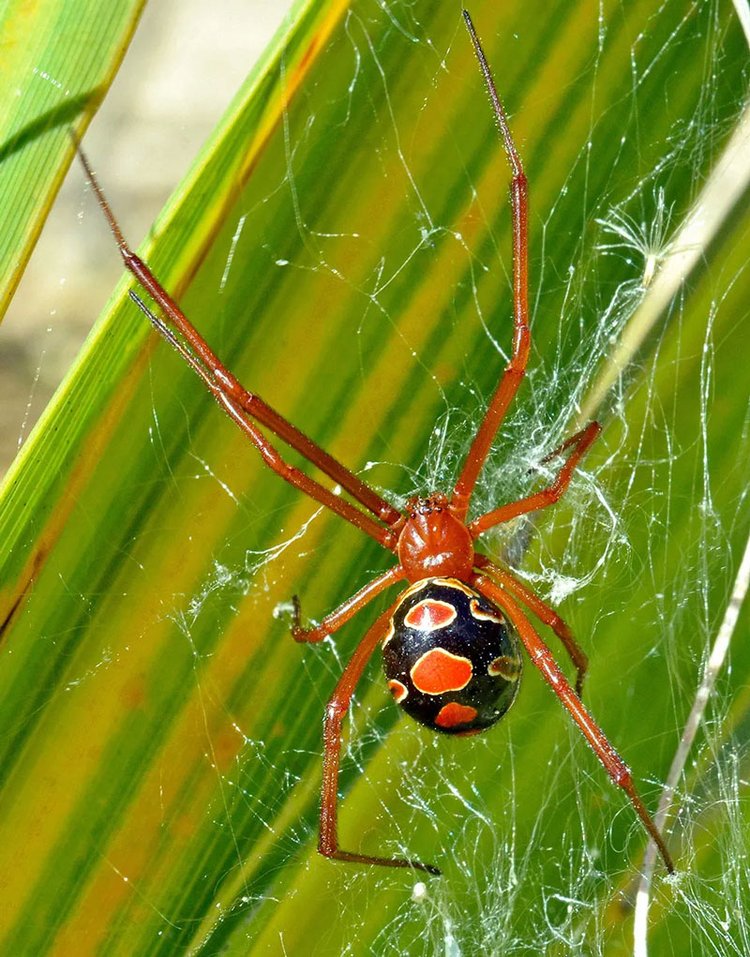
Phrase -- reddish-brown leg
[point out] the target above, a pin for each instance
(333, 621)
(336, 709)
(542, 658)
(543, 612)
(387, 537)
(548, 495)
(220, 380)
(270, 455)
(516, 369)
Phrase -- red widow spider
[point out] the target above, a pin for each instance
(451, 640)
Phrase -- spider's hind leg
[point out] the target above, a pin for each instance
(336, 710)
(542, 658)
(543, 612)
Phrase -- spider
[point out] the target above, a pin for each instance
(451, 641)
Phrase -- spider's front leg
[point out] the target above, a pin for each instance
(579, 444)
(515, 371)
(333, 621)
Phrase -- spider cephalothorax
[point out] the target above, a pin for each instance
(434, 542)
(451, 641)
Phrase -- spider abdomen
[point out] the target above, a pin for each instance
(451, 658)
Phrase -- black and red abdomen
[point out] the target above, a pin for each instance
(451, 658)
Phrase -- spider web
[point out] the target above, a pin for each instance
(496, 876)
(540, 851)
(642, 228)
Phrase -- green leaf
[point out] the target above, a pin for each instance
(58, 61)
(343, 242)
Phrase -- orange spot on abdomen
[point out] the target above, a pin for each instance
(438, 671)
(429, 615)
(398, 690)
(454, 714)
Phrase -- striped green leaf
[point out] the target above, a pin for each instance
(343, 241)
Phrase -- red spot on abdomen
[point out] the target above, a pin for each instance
(438, 671)
(482, 614)
(454, 714)
(429, 615)
(398, 690)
